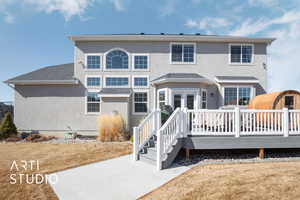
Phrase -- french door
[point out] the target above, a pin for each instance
(184, 99)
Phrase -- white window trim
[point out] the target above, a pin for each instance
(237, 86)
(181, 63)
(133, 61)
(166, 96)
(86, 102)
(93, 76)
(113, 70)
(133, 102)
(240, 63)
(140, 76)
(93, 54)
(116, 76)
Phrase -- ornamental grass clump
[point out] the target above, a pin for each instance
(111, 127)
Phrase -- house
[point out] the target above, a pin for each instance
(135, 74)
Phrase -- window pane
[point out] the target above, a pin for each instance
(93, 62)
(117, 60)
(93, 81)
(177, 101)
(188, 55)
(176, 53)
(204, 100)
(230, 96)
(140, 102)
(235, 54)
(93, 107)
(244, 96)
(93, 97)
(117, 81)
(247, 54)
(141, 81)
(162, 96)
(140, 62)
(190, 101)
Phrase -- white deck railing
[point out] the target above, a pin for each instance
(244, 122)
(147, 128)
(168, 134)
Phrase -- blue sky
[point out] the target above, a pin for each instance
(33, 33)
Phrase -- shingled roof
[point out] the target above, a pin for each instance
(58, 74)
(180, 77)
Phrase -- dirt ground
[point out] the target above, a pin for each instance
(263, 181)
(51, 158)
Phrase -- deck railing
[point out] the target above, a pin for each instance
(244, 122)
(147, 128)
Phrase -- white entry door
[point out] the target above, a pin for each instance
(184, 99)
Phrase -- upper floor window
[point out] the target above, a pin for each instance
(241, 53)
(117, 59)
(237, 95)
(93, 81)
(117, 82)
(140, 81)
(140, 62)
(183, 53)
(93, 61)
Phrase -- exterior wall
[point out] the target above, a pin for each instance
(212, 59)
(51, 109)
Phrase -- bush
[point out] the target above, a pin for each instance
(111, 127)
(166, 112)
(7, 127)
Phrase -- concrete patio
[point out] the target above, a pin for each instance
(119, 178)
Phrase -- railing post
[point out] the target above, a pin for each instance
(285, 122)
(237, 121)
(184, 122)
(159, 150)
(157, 119)
(135, 144)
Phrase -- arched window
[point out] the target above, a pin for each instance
(117, 59)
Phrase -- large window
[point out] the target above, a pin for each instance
(117, 59)
(183, 53)
(93, 81)
(241, 53)
(140, 102)
(237, 95)
(93, 61)
(140, 62)
(140, 81)
(117, 82)
(93, 102)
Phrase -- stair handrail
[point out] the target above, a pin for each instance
(146, 129)
(168, 133)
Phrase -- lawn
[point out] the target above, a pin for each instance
(263, 181)
(52, 158)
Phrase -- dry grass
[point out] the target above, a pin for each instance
(262, 181)
(111, 127)
(52, 158)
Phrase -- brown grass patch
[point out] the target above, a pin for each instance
(262, 181)
(52, 158)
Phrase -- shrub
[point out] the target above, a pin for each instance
(111, 127)
(7, 127)
(166, 112)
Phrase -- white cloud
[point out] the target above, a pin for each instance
(208, 23)
(9, 19)
(68, 8)
(118, 4)
(251, 27)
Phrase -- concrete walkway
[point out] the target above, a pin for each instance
(118, 178)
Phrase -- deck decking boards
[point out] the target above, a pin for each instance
(243, 142)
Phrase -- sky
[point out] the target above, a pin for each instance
(33, 33)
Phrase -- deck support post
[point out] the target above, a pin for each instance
(135, 144)
(187, 154)
(159, 141)
(285, 122)
(237, 121)
(261, 154)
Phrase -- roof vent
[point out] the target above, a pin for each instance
(162, 33)
(142, 33)
(181, 34)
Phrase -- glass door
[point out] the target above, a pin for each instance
(177, 98)
(190, 101)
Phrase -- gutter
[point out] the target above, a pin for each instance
(42, 82)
